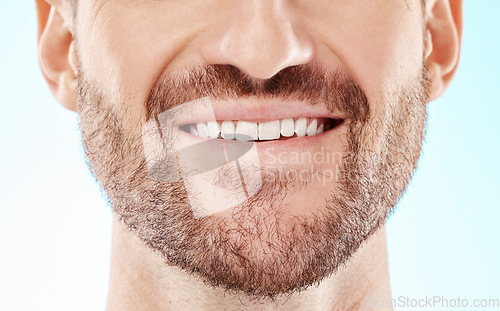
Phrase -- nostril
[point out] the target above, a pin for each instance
(260, 41)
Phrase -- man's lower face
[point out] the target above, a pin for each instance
(304, 219)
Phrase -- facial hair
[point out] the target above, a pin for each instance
(256, 251)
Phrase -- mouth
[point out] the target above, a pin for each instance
(255, 120)
(268, 130)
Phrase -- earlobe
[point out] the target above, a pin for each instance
(443, 47)
(55, 52)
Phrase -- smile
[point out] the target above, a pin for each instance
(279, 129)
(251, 119)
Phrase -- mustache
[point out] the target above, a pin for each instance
(309, 83)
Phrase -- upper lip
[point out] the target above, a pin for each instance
(248, 109)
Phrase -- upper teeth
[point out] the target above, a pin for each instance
(244, 130)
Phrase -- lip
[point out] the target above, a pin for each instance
(249, 109)
(257, 110)
(260, 111)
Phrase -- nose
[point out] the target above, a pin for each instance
(260, 37)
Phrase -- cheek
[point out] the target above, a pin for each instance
(379, 43)
(384, 63)
(125, 46)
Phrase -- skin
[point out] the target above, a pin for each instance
(124, 46)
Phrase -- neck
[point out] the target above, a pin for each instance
(140, 280)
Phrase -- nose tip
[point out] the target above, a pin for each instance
(260, 40)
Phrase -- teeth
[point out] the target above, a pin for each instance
(269, 130)
(250, 131)
(213, 129)
(301, 127)
(202, 130)
(227, 130)
(312, 127)
(321, 129)
(287, 127)
(193, 131)
(246, 131)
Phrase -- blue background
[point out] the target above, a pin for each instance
(55, 228)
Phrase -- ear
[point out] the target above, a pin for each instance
(443, 46)
(56, 53)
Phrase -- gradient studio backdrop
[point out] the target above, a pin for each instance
(55, 226)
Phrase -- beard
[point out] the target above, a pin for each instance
(259, 250)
